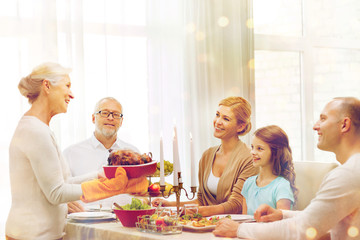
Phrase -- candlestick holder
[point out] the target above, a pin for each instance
(177, 191)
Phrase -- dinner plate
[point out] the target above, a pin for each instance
(91, 216)
(237, 217)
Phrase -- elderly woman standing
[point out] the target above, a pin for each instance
(39, 178)
(223, 169)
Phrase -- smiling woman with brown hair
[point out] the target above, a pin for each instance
(223, 169)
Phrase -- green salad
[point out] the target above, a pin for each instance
(136, 204)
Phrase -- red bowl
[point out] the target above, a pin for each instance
(128, 218)
(132, 171)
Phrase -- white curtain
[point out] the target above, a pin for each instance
(198, 54)
(167, 62)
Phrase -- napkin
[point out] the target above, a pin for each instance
(98, 189)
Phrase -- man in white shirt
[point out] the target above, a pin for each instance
(88, 157)
(336, 207)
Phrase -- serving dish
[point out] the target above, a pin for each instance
(152, 228)
(132, 171)
(161, 225)
(128, 218)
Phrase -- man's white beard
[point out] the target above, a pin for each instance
(108, 133)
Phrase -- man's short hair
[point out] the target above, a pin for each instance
(350, 107)
(97, 105)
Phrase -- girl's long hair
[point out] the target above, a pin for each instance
(281, 156)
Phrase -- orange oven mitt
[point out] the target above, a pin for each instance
(98, 189)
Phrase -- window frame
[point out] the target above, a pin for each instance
(305, 45)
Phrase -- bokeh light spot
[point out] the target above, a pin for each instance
(353, 231)
(202, 57)
(190, 27)
(251, 64)
(223, 21)
(200, 36)
(311, 233)
(250, 23)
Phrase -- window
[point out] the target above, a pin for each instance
(278, 94)
(306, 53)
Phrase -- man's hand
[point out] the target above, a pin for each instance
(226, 228)
(265, 213)
(75, 207)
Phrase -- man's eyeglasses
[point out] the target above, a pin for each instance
(106, 114)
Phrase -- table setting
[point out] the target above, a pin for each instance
(138, 218)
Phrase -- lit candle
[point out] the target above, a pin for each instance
(162, 170)
(176, 163)
(192, 162)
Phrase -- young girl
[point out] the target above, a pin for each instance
(274, 185)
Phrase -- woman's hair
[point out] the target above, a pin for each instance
(281, 156)
(30, 85)
(242, 111)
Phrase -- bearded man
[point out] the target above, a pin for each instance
(88, 156)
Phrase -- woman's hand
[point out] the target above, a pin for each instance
(101, 173)
(191, 211)
(226, 228)
(157, 201)
(207, 211)
(75, 207)
(265, 213)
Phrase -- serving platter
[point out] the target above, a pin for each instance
(199, 229)
(237, 217)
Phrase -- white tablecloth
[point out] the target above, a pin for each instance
(114, 231)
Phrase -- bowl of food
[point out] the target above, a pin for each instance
(128, 214)
(168, 169)
(135, 164)
(132, 171)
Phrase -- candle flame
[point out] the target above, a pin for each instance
(190, 136)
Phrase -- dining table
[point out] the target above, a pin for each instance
(114, 230)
